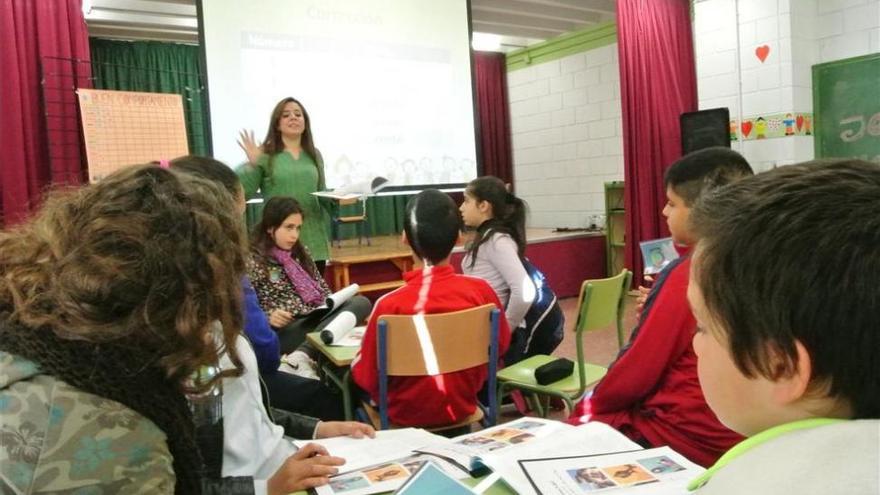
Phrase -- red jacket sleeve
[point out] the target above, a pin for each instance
(665, 333)
(364, 367)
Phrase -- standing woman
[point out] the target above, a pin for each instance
(288, 164)
(497, 254)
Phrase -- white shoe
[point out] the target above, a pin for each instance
(300, 364)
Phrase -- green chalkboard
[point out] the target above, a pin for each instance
(846, 108)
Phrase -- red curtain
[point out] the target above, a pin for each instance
(657, 83)
(494, 114)
(33, 31)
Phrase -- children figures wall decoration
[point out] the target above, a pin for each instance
(772, 126)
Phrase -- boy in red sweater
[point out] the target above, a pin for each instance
(651, 392)
(431, 227)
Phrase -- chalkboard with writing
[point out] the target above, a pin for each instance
(846, 106)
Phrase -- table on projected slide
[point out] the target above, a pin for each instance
(335, 363)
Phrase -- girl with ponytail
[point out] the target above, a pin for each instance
(497, 254)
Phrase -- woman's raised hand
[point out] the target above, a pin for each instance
(248, 143)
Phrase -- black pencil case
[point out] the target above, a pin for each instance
(553, 371)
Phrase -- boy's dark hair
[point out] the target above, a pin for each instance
(705, 169)
(209, 169)
(432, 223)
(793, 254)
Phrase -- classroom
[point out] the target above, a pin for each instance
(482, 246)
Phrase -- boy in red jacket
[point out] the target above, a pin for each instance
(651, 392)
(431, 227)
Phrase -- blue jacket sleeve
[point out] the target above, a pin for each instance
(256, 327)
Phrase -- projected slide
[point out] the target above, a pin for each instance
(387, 84)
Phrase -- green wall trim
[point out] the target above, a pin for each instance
(563, 46)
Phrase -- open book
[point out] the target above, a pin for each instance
(533, 456)
(469, 451)
(380, 464)
(356, 190)
(549, 438)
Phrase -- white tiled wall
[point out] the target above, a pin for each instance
(847, 28)
(800, 33)
(567, 138)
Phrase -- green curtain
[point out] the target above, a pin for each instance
(384, 216)
(155, 67)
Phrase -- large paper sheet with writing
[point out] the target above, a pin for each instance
(123, 128)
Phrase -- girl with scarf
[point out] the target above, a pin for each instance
(288, 284)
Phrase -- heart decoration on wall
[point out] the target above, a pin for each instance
(747, 128)
(762, 52)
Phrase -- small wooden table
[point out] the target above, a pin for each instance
(340, 263)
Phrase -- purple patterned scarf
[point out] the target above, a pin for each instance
(305, 286)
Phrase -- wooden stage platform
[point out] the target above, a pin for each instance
(566, 258)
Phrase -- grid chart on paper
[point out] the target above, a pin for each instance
(122, 128)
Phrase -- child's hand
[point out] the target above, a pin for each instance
(309, 467)
(279, 318)
(327, 429)
(643, 295)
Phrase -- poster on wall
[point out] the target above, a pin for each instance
(123, 128)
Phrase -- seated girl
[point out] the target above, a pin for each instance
(289, 286)
(107, 299)
(497, 254)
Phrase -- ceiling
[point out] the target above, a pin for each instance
(518, 22)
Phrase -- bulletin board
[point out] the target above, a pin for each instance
(846, 104)
(122, 128)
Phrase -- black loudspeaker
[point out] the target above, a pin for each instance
(705, 129)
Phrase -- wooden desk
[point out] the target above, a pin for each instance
(335, 363)
(392, 251)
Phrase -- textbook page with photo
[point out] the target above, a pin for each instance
(660, 471)
(469, 451)
(657, 253)
(587, 439)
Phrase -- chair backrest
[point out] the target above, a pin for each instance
(438, 343)
(601, 301)
(432, 344)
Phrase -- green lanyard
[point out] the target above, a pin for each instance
(751, 442)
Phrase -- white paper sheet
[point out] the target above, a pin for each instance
(659, 471)
(388, 445)
(591, 438)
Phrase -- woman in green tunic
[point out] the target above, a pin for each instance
(288, 164)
